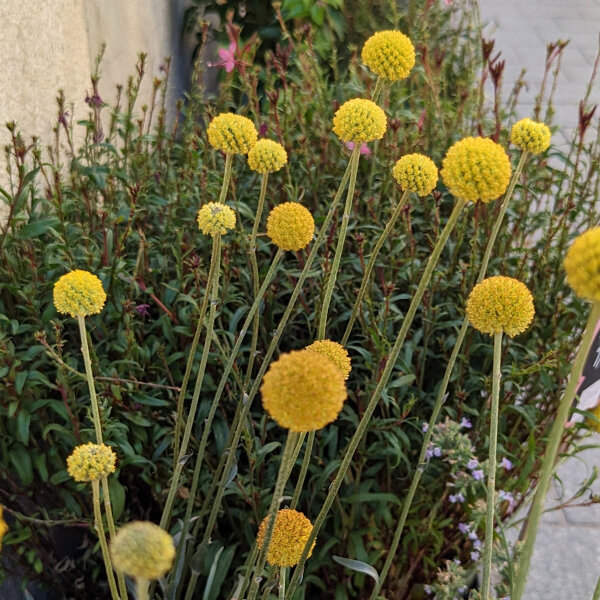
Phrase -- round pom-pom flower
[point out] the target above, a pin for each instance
(476, 168)
(389, 54)
(358, 121)
(290, 534)
(531, 136)
(215, 217)
(233, 134)
(416, 173)
(582, 264)
(3, 526)
(79, 294)
(336, 352)
(500, 305)
(90, 462)
(290, 226)
(142, 550)
(267, 156)
(303, 391)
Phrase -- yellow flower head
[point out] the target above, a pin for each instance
(233, 134)
(594, 425)
(389, 54)
(416, 173)
(290, 226)
(79, 294)
(3, 526)
(582, 265)
(267, 156)
(336, 352)
(89, 462)
(303, 391)
(215, 217)
(531, 136)
(500, 305)
(358, 121)
(476, 169)
(142, 549)
(290, 534)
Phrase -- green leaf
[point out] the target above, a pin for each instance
(117, 496)
(358, 566)
(35, 229)
(23, 421)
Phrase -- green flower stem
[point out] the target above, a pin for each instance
(141, 588)
(371, 264)
(212, 288)
(378, 89)
(282, 577)
(285, 466)
(303, 469)
(249, 570)
(554, 440)
(491, 483)
(267, 358)
(441, 395)
(226, 177)
(339, 249)
(255, 276)
(387, 372)
(597, 591)
(85, 349)
(112, 531)
(102, 537)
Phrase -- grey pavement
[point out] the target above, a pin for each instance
(566, 560)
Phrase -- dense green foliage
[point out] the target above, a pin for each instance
(123, 205)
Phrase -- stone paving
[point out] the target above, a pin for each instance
(566, 561)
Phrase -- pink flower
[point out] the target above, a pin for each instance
(448, 2)
(364, 149)
(227, 58)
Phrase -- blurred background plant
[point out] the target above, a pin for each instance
(123, 205)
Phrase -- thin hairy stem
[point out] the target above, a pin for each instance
(112, 531)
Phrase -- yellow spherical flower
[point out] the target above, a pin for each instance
(582, 264)
(591, 424)
(143, 550)
(89, 462)
(476, 169)
(336, 352)
(358, 121)
(233, 134)
(416, 173)
(267, 156)
(500, 305)
(389, 54)
(79, 294)
(531, 136)
(290, 226)
(3, 526)
(303, 391)
(215, 217)
(290, 534)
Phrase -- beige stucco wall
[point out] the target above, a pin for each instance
(50, 45)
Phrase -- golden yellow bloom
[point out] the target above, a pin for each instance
(476, 169)
(389, 54)
(215, 217)
(89, 462)
(267, 156)
(142, 550)
(290, 534)
(500, 304)
(3, 526)
(358, 121)
(233, 134)
(336, 352)
(530, 135)
(303, 391)
(582, 264)
(79, 294)
(416, 173)
(594, 425)
(290, 226)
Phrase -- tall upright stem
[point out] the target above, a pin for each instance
(85, 350)
(102, 537)
(442, 395)
(556, 433)
(141, 588)
(213, 287)
(596, 595)
(226, 177)
(389, 367)
(369, 269)
(491, 482)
